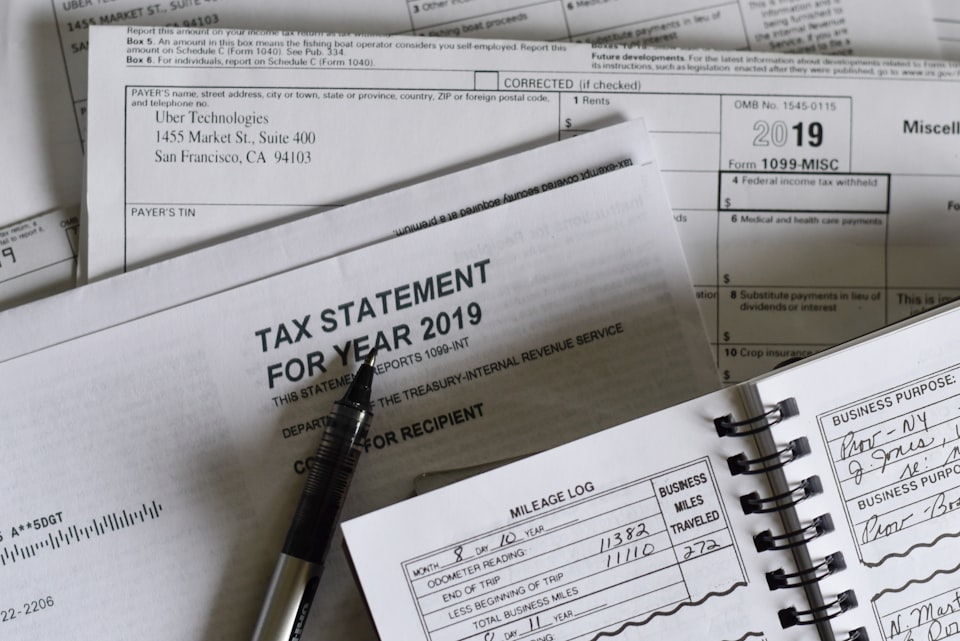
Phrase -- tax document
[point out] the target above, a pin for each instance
(815, 196)
(45, 65)
(311, 238)
(43, 68)
(191, 429)
(38, 257)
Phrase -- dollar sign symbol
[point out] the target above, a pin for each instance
(568, 122)
(726, 375)
(726, 279)
(726, 336)
(726, 203)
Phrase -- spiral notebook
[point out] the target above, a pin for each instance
(821, 500)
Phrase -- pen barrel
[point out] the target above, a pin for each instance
(289, 600)
(331, 470)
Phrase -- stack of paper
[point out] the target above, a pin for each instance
(215, 210)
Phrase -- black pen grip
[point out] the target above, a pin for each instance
(330, 472)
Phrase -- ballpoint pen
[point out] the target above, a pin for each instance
(295, 579)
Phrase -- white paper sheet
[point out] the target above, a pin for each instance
(815, 197)
(313, 237)
(43, 55)
(946, 20)
(188, 429)
(38, 257)
(41, 156)
(946, 17)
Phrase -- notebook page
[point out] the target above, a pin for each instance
(881, 418)
(635, 533)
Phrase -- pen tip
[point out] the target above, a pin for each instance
(371, 357)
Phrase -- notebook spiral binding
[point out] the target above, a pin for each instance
(753, 503)
(726, 426)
